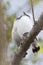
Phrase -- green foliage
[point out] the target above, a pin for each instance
(41, 48)
(40, 41)
(9, 23)
(8, 20)
(36, 1)
(7, 5)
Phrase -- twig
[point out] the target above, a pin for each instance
(32, 11)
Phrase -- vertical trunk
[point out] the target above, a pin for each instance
(3, 41)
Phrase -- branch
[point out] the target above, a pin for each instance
(25, 43)
(32, 11)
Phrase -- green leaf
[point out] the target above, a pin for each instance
(41, 48)
(36, 1)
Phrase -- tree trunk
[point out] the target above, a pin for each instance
(3, 41)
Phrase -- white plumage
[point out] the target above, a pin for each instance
(21, 26)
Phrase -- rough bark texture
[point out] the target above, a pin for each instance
(25, 43)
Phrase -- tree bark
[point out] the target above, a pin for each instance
(3, 40)
(26, 42)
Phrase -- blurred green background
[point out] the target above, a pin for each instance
(9, 11)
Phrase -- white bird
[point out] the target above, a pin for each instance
(22, 25)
